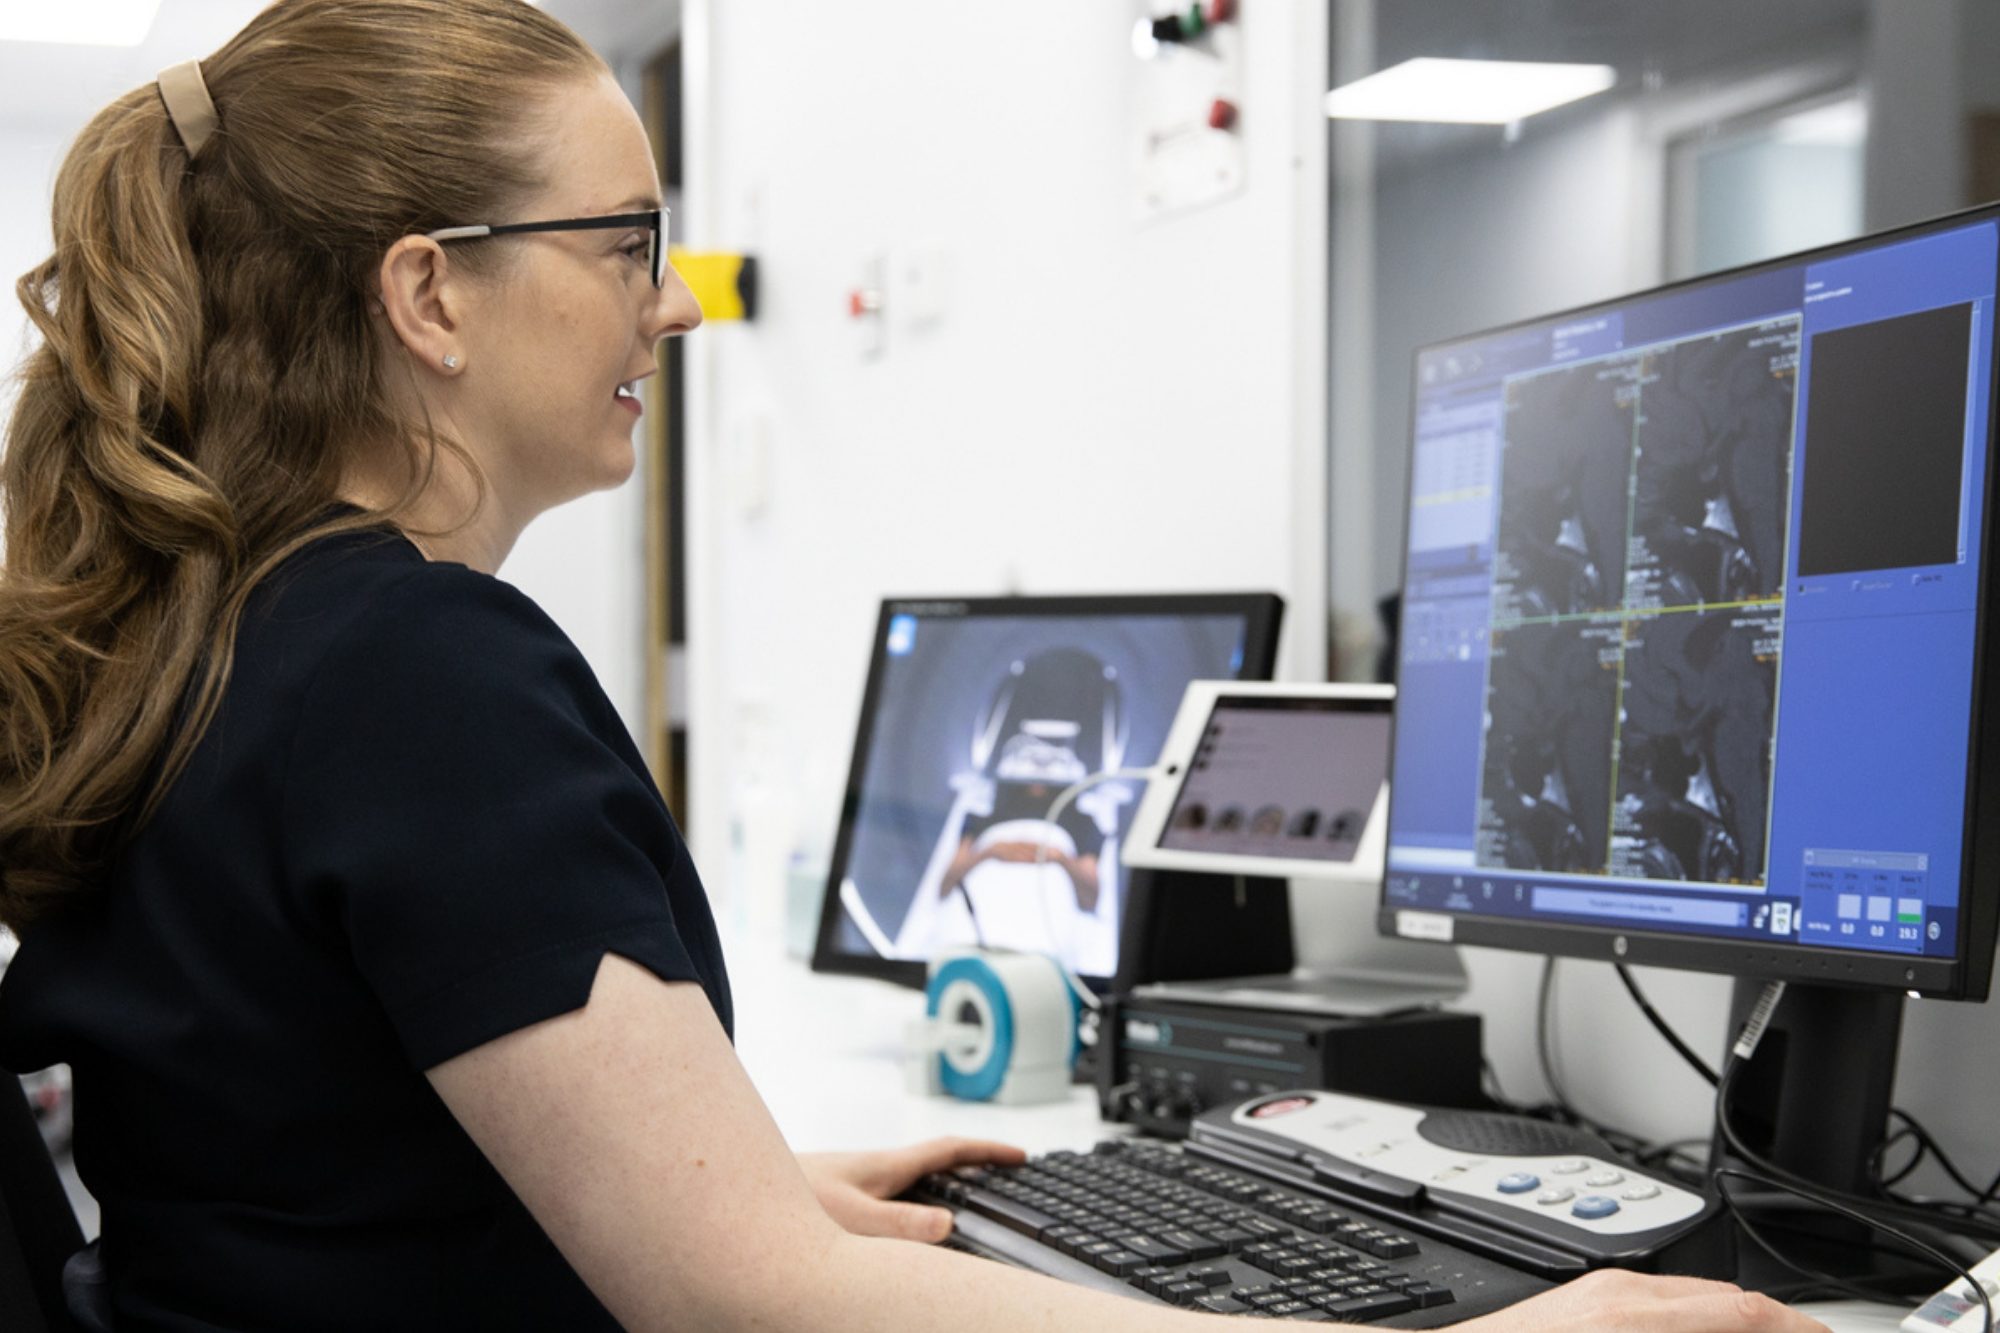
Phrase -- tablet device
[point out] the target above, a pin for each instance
(1271, 779)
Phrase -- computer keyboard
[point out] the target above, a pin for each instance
(1319, 1205)
(1162, 1224)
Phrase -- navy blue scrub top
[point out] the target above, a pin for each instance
(415, 825)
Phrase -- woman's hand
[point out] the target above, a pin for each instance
(1614, 1301)
(857, 1189)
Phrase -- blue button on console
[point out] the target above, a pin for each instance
(1593, 1206)
(1518, 1182)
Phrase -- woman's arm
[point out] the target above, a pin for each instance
(633, 1135)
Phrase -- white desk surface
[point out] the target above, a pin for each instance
(826, 1053)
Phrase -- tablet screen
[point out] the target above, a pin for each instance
(1282, 777)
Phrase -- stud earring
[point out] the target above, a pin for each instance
(450, 362)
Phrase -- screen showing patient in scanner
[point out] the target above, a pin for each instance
(980, 724)
(1290, 778)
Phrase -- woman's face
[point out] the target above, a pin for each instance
(555, 342)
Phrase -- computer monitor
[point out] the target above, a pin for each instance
(978, 713)
(1693, 662)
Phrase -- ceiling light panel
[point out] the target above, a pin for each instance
(1466, 92)
(78, 22)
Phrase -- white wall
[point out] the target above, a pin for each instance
(1103, 407)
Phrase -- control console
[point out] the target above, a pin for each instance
(1476, 1176)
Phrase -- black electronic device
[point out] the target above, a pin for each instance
(977, 714)
(1694, 655)
(1314, 1205)
(1164, 1224)
(1162, 1061)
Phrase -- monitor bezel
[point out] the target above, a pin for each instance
(1149, 823)
(1964, 976)
(1263, 615)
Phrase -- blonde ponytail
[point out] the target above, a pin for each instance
(206, 362)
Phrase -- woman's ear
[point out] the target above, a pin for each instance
(424, 302)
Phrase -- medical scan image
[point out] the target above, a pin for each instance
(981, 724)
(1545, 780)
(1695, 755)
(1636, 615)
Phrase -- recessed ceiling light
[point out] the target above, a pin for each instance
(78, 22)
(1466, 92)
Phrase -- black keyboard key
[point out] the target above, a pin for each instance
(1395, 1247)
(1210, 1275)
(1219, 1305)
(1014, 1216)
(1154, 1249)
(1358, 1309)
(1428, 1294)
(1197, 1245)
(1297, 1265)
(1300, 1310)
(1184, 1292)
(1144, 1277)
(1233, 1238)
(1118, 1263)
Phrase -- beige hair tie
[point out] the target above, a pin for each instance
(188, 105)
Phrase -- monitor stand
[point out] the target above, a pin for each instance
(1345, 967)
(1815, 1101)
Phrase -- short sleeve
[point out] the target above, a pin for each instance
(464, 807)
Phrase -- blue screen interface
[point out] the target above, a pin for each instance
(1691, 597)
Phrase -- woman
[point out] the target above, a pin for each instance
(392, 997)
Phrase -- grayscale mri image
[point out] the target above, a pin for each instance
(1636, 611)
(1545, 787)
(1694, 755)
(1709, 479)
(1563, 487)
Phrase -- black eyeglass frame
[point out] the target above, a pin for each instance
(654, 219)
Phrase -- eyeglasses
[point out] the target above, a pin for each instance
(653, 219)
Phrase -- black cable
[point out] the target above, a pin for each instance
(1545, 1048)
(1913, 1130)
(1917, 1216)
(1927, 1145)
(978, 935)
(1870, 1213)
(1821, 1199)
(1660, 1025)
(1624, 1142)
